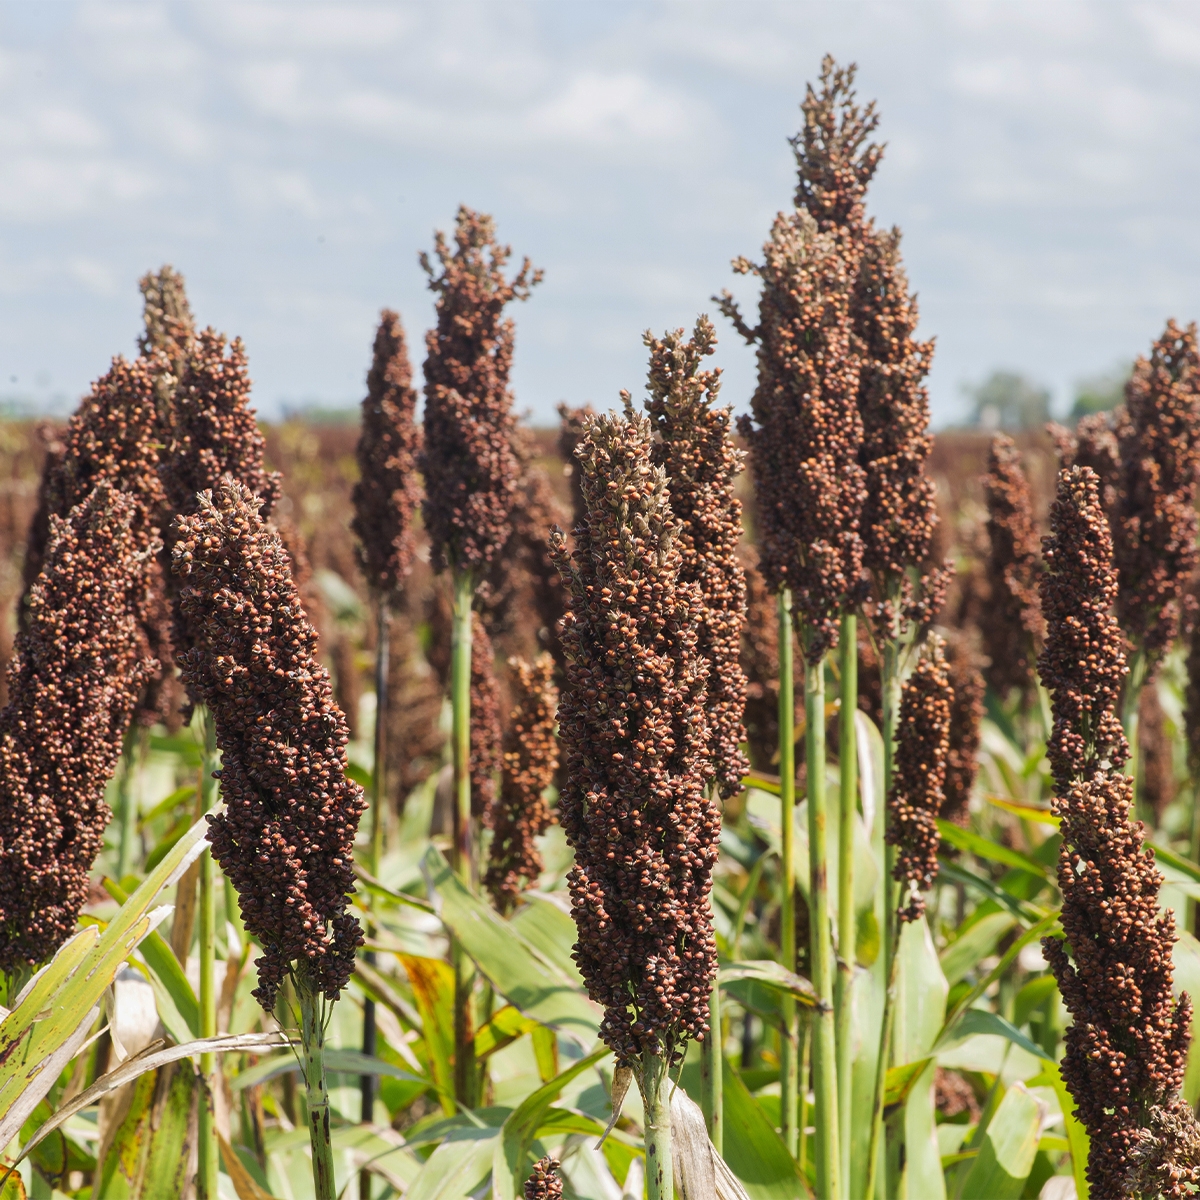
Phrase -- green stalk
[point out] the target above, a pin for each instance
(312, 1050)
(877, 1181)
(378, 810)
(712, 1083)
(1193, 850)
(789, 1023)
(208, 1150)
(847, 807)
(825, 1099)
(656, 1095)
(460, 700)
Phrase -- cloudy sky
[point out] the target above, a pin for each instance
(292, 159)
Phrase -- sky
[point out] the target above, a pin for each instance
(292, 160)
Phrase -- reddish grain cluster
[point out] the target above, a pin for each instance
(286, 838)
(114, 438)
(1154, 518)
(485, 720)
(545, 1182)
(1013, 629)
(520, 815)
(72, 685)
(468, 461)
(806, 431)
(918, 785)
(635, 744)
(696, 449)
(387, 492)
(1127, 1045)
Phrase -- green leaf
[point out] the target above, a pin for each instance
(769, 974)
(551, 932)
(1168, 857)
(168, 804)
(337, 1062)
(508, 962)
(432, 982)
(181, 744)
(42, 1033)
(967, 1000)
(457, 1167)
(1027, 812)
(161, 960)
(980, 1021)
(754, 1152)
(147, 1158)
(1025, 912)
(1009, 1146)
(1031, 997)
(360, 775)
(975, 943)
(502, 1030)
(1077, 1135)
(1185, 955)
(899, 1081)
(965, 839)
(511, 1151)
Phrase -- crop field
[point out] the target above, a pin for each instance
(663, 804)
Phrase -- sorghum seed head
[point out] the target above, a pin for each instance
(387, 492)
(1013, 629)
(917, 793)
(696, 449)
(966, 713)
(73, 683)
(634, 738)
(468, 461)
(544, 1183)
(286, 837)
(520, 814)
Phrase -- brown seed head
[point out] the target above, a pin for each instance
(1127, 1044)
(635, 742)
(1013, 628)
(696, 449)
(387, 492)
(806, 431)
(73, 684)
(169, 335)
(570, 434)
(114, 438)
(966, 713)
(1154, 518)
(917, 793)
(286, 838)
(486, 735)
(521, 815)
(468, 461)
(544, 1183)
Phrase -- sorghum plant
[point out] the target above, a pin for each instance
(384, 498)
(696, 449)
(634, 805)
(1127, 1044)
(570, 434)
(169, 334)
(286, 837)
(804, 441)
(917, 793)
(1154, 519)
(73, 684)
(1013, 630)
(520, 814)
(471, 473)
(486, 732)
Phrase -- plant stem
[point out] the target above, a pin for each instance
(847, 802)
(805, 1047)
(312, 1050)
(1134, 682)
(712, 1083)
(825, 1102)
(378, 808)
(877, 1182)
(656, 1095)
(789, 1025)
(460, 700)
(208, 1150)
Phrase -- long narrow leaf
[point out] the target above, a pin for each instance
(964, 839)
(1025, 912)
